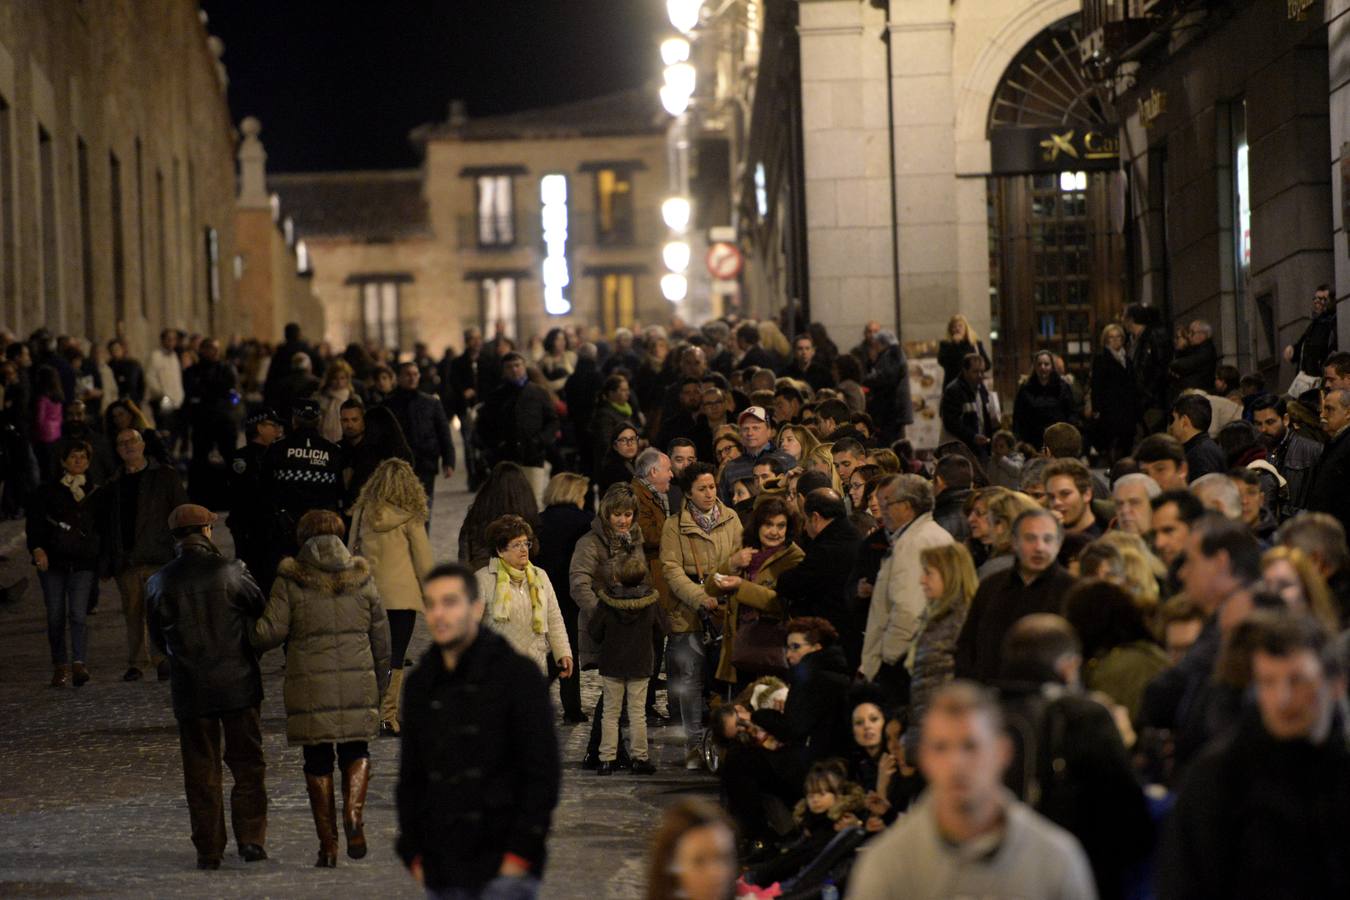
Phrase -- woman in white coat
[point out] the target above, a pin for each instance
(521, 605)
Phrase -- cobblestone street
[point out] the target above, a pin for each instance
(91, 794)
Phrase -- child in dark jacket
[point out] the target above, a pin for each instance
(623, 626)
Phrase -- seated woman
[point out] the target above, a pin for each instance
(813, 721)
(748, 578)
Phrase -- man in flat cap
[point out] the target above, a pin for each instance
(301, 471)
(201, 610)
(250, 507)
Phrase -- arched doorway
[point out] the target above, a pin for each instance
(1057, 261)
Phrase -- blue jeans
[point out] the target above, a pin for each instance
(67, 597)
(684, 674)
(500, 888)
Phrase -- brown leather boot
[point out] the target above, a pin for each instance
(389, 705)
(355, 780)
(324, 807)
(81, 674)
(60, 674)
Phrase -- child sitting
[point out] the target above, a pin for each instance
(623, 626)
(832, 803)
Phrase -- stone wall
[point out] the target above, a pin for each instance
(142, 82)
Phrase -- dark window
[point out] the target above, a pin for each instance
(119, 260)
(140, 229)
(86, 235)
(212, 259)
(8, 249)
(51, 275)
(162, 244)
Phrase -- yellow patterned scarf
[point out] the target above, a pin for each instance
(501, 602)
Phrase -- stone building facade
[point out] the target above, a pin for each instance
(117, 178)
(504, 210)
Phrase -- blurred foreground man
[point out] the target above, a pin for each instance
(201, 609)
(1265, 812)
(479, 771)
(967, 836)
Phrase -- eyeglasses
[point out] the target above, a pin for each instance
(129, 442)
(628, 439)
(518, 546)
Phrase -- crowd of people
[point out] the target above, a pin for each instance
(1088, 648)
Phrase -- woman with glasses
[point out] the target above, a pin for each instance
(521, 604)
(617, 467)
(613, 409)
(712, 417)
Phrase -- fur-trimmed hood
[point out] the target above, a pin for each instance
(627, 604)
(325, 564)
(849, 799)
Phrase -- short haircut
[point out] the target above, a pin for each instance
(913, 489)
(647, 460)
(811, 481)
(1039, 512)
(69, 446)
(1033, 472)
(969, 360)
(1255, 382)
(823, 501)
(566, 489)
(1229, 375)
(814, 628)
(680, 442)
(770, 505)
(353, 402)
(1064, 441)
(788, 392)
(848, 445)
(1269, 401)
(833, 409)
(1033, 647)
(1071, 468)
(1318, 534)
(513, 356)
(748, 333)
(455, 570)
(1284, 634)
(694, 471)
(319, 522)
(955, 472)
(619, 497)
(961, 698)
(1221, 534)
(1189, 507)
(1161, 448)
(1179, 608)
(1150, 486)
(505, 529)
(1339, 362)
(1219, 488)
(775, 465)
(1196, 408)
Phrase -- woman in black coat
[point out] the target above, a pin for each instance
(961, 342)
(563, 522)
(617, 465)
(63, 539)
(1115, 398)
(1042, 400)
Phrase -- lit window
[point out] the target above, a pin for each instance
(499, 305)
(380, 312)
(1072, 181)
(617, 300)
(615, 214)
(496, 221)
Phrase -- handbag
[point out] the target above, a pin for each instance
(759, 646)
(1303, 383)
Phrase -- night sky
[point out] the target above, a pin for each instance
(340, 85)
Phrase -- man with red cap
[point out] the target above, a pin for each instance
(757, 437)
(201, 608)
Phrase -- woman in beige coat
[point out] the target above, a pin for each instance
(324, 607)
(693, 544)
(389, 530)
(521, 605)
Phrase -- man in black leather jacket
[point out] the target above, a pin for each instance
(201, 611)
(425, 427)
(1150, 354)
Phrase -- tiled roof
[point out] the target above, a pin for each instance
(375, 205)
(632, 112)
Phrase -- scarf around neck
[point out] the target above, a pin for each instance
(706, 521)
(501, 601)
(76, 485)
(624, 409)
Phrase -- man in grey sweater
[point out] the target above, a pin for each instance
(968, 836)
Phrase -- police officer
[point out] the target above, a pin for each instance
(250, 520)
(302, 471)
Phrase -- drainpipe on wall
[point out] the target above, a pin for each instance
(890, 140)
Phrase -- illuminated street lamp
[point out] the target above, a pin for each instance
(676, 256)
(676, 212)
(684, 14)
(673, 101)
(681, 77)
(674, 50)
(674, 287)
